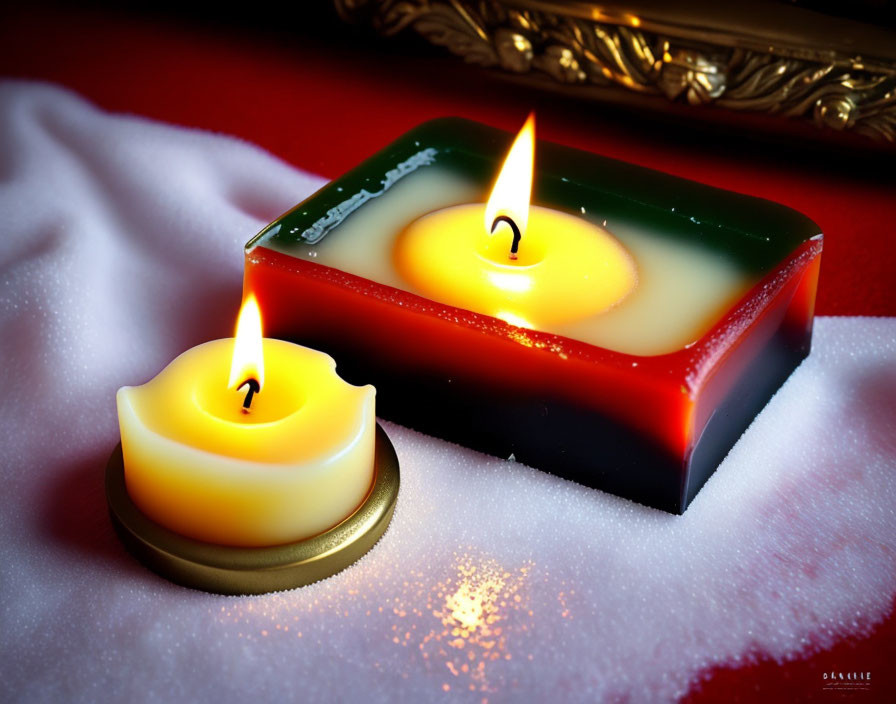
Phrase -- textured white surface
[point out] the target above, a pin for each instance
(121, 247)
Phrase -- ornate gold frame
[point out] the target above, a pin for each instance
(761, 56)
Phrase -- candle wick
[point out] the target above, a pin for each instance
(254, 388)
(517, 235)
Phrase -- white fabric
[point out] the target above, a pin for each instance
(121, 247)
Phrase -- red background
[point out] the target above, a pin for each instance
(323, 97)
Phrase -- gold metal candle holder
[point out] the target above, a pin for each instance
(234, 570)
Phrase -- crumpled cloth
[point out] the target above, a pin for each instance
(122, 246)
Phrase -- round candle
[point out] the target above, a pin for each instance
(294, 463)
(566, 268)
(529, 266)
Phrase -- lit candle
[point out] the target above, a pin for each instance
(530, 267)
(644, 322)
(248, 441)
(624, 285)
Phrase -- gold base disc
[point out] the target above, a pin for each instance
(233, 570)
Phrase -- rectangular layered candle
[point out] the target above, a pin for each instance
(640, 326)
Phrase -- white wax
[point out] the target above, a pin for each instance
(682, 289)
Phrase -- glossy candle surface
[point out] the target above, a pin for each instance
(299, 462)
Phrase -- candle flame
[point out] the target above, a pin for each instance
(512, 191)
(248, 357)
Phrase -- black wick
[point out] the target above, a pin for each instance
(517, 235)
(254, 388)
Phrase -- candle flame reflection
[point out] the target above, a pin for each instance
(461, 623)
(248, 357)
(480, 611)
(512, 191)
(514, 319)
(513, 283)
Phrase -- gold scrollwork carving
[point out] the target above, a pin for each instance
(571, 50)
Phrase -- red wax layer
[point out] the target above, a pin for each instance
(637, 426)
